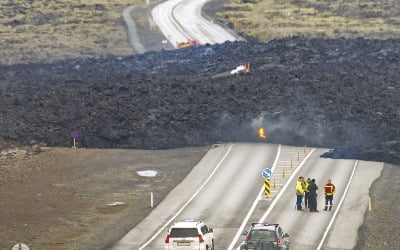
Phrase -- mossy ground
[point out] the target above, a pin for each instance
(45, 31)
(269, 19)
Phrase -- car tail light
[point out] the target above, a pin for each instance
(246, 239)
(278, 241)
(201, 240)
(167, 239)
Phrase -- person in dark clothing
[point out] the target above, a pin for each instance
(312, 196)
(306, 193)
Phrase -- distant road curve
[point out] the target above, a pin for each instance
(132, 32)
(182, 20)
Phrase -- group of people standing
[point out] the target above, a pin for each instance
(309, 190)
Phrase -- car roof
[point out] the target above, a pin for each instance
(264, 226)
(186, 224)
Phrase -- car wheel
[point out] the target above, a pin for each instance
(213, 248)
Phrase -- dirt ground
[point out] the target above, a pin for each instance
(64, 198)
(381, 225)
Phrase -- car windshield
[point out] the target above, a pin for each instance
(183, 232)
(262, 235)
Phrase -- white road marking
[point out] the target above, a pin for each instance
(235, 239)
(338, 208)
(181, 20)
(285, 187)
(275, 200)
(191, 198)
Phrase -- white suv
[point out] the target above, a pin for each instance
(190, 234)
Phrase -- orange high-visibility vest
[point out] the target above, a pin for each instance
(329, 189)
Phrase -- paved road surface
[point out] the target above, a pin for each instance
(181, 20)
(222, 202)
(225, 190)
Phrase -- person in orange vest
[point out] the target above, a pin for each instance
(329, 190)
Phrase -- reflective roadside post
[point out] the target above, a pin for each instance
(266, 173)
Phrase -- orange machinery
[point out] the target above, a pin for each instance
(187, 44)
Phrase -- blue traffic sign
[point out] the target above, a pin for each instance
(266, 173)
(75, 134)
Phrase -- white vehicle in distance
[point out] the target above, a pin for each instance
(190, 234)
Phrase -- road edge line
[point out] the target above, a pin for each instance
(246, 219)
(191, 198)
(339, 205)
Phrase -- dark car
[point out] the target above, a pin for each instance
(265, 236)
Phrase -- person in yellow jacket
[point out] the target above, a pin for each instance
(299, 192)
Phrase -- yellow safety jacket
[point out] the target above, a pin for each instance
(299, 188)
(307, 185)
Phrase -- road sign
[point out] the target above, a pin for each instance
(266, 173)
(75, 134)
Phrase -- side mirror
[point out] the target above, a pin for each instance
(285, 235)
(210, 230)
(245, 233)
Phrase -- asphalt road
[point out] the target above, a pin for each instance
(225, 191)
(181, 21)
(336, 229)
(230, 181)
(307, 228)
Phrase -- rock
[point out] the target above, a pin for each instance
(333, 93)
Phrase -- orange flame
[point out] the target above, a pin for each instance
(261, 133)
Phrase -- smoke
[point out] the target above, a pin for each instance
(300, 129)
(286, 129)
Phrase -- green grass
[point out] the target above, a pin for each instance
(269, 19)
(48, 30)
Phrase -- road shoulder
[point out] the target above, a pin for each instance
(351, 215)
(174, 200)
(381, 225)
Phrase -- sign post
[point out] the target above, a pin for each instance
(74, 134)
(266, 173)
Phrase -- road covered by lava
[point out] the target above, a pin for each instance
(334, 93)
